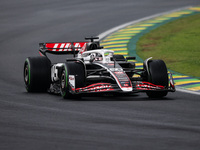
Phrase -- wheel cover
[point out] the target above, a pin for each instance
(63, 80)
(26, 74)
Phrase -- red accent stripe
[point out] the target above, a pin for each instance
(96, 84)
(41, 54)
(153, 84)
(148, 86)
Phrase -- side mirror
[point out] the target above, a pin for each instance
(130, 58)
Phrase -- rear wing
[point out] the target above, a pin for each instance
(68, 47)
(62, 48)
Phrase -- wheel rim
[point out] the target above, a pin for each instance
(63, 80)
(26, 74)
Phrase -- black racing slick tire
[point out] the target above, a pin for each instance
(76, 69)
(37, 74)
(157, 75)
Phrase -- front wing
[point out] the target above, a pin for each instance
(138, 86)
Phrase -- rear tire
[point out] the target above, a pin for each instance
(37, 74)
(72, 68)
(157, 75)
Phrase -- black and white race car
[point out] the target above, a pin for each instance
(93, 69)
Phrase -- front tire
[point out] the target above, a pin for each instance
(72, 68)
(157, 75)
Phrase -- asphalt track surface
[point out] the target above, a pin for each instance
(43, 121)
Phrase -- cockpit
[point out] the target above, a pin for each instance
(104, 56)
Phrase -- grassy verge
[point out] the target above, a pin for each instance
(177, 43)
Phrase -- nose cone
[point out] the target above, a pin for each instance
(127, 89)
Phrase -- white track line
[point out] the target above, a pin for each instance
(187, 91)
(108, 32)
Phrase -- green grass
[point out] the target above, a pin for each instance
(177, 43)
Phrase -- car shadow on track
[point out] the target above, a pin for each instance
(120, 97)
(100, 97)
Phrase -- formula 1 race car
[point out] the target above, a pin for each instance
(93, 69)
